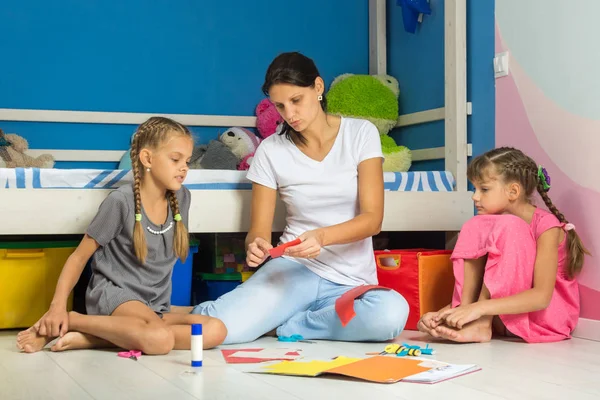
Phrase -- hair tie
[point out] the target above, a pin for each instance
(177, 217)
(569, 227)
(544, 178)
(138, 217)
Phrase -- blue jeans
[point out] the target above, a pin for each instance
(286, 295)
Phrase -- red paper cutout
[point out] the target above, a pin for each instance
(344, 305)
(230, 359)
(278, 251)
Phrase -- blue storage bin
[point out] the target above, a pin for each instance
(212, 286)
(182, 279)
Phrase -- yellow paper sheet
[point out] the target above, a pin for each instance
(310, 368)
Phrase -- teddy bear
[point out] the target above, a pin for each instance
(12, 153)
(374, 98)
(214, 155)
(233, 150)
(243, 143)
(268, 120)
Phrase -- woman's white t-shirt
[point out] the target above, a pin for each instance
(318, 194)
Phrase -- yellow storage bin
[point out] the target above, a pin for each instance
(28, 275)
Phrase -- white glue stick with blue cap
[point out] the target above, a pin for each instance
(197, 345)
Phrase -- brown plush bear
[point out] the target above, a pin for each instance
(12, 153)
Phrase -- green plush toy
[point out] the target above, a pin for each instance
(374, 98)
(397, 158)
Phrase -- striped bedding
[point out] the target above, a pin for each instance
(197, 179)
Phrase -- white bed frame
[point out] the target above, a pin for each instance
(64, 211)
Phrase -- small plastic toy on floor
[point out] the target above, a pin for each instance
(131, 354)
(404, 349)
(415, 351)
(294, 338)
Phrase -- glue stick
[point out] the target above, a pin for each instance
(196, 345)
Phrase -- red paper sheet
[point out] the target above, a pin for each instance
(231, 359)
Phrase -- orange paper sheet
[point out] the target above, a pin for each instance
(378, 369)
(381, 369)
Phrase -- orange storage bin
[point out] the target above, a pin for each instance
(424, 277)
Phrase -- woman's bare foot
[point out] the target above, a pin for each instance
(271, 333)
(475, 332)
(30, 341)
(78, 340)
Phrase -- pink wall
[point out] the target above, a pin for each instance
(560, 140)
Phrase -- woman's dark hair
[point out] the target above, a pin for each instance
(294, 69)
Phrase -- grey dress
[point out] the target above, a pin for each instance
(117, 275)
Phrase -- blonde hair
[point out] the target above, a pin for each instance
(151, 134)
(514, 166)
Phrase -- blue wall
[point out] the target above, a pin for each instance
(187, 56)
(210, 58)
(417, 61)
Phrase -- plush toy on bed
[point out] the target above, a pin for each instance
(233, 150)
(214, 155)
(243, 143)
(374, 98)
(12, 153)
(268, 120)
(125, 162)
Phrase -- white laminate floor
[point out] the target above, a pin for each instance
(511, 370)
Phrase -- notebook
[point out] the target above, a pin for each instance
(441, 371)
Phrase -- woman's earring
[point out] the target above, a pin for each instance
(148, 169)
(320, 97)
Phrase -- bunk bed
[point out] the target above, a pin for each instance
(60, 201)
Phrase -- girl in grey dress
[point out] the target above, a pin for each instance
(133, 241)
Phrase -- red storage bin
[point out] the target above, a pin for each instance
(424, 277)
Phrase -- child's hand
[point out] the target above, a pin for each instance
(257, 252)
(461, 315)
(312, 241)
(54, 323)
(427, 324)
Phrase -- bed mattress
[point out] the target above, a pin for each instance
(197, 179)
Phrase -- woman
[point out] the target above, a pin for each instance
(328, 172)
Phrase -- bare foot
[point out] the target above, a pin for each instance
(31, 341)
(271, 333)
(475, 332)
(78, 340)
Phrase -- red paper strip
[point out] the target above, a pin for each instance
(344, 305)
(278, 251)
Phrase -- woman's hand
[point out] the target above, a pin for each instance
(461, 315)
(257, 252)
(54, 323)
(312, 241)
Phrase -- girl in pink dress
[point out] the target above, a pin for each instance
(514, 264)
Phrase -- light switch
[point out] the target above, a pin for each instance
(501, 64)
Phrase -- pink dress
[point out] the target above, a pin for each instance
(510, 244)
